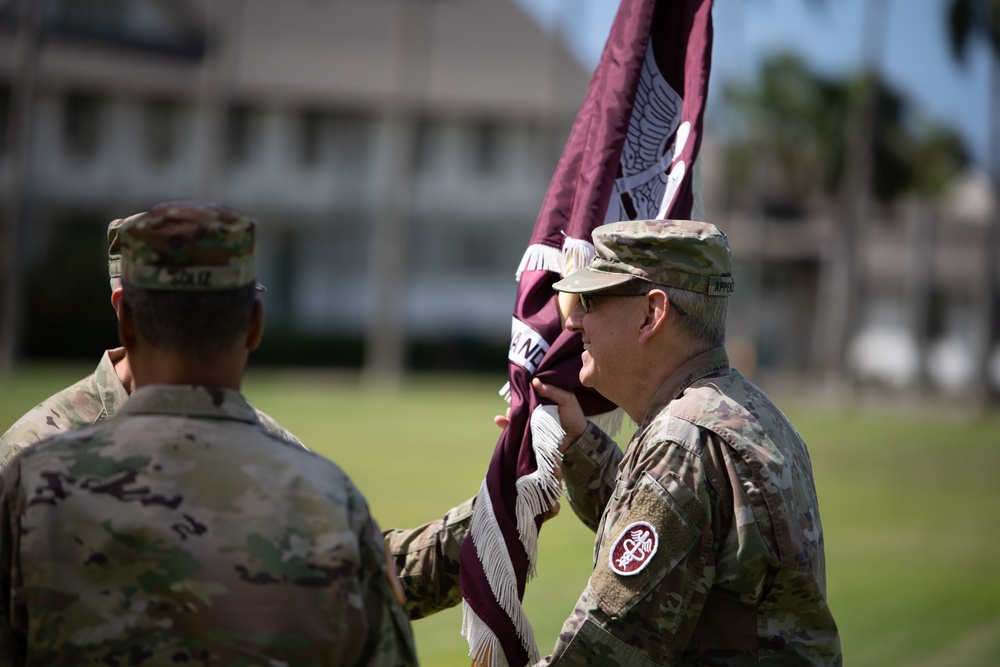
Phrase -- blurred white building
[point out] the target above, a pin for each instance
(442, 119)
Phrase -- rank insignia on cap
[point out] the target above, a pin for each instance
(633, 549)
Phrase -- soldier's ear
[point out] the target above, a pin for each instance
(654, 316)
(126, 325)
(256, 331)
(116, 298)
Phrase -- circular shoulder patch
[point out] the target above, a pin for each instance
(633, 549)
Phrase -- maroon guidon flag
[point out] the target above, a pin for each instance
(630, 155)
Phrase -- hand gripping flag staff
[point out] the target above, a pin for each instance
(630, 155)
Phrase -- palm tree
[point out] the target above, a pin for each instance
(968, 21)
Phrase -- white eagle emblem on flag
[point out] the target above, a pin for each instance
(656, 136)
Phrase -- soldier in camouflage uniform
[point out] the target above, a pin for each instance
(98, 396)
(427, 557)
(709, 546)
(180, 530)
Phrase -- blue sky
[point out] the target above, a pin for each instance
(915, 54)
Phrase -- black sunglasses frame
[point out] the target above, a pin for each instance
(587, 300)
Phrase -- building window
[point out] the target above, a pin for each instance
(160, 130)
(350, 139)
(341, 138)
(423, 139)
(238, 127)
(311, 137)
(477, 251)
(82, 124)
(487, 147)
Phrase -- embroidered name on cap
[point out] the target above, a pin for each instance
(720, 285)
(633, 549)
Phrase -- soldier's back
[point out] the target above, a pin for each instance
(157, 538)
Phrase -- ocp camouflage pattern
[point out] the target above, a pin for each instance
(181, 532)
(188, 245)
(685, 254)
(93, 399)
(737, 576)
(427, 561)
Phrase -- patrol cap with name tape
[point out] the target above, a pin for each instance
(189, 245)
(686, 254)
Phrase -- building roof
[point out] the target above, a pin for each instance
(458, 56)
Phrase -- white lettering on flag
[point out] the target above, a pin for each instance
(527, 348)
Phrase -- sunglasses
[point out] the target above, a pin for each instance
(587, 300)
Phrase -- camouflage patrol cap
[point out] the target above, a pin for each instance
(189, 245)
(685, 254)
(115, 253)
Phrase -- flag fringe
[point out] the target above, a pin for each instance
(484, 647)
(539, 257)
(575, 254)
(499, 570)
(539, 491)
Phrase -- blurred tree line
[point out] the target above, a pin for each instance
(791, 146)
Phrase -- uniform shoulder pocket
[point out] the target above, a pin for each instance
(650, 537)
(594, 645)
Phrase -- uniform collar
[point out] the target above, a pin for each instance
(710, 362)
(189, 401)
(109, 385)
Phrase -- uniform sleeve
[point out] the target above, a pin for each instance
(11, 642)
(653, 570)
(26, 431)
(427, 560)
(390, 637)
(9, 447)
(590, 467)
(74, 407)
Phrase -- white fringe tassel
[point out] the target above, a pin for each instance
(483, 643)
(499, 570)
(539, 257)
(539, 491)
(536, 493)
(575, 254)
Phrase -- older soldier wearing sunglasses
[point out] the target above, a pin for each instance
(709, 545)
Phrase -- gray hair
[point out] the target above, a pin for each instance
(704, 318)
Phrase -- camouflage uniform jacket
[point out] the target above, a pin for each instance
(427, 559)
(92, 399)
(426, 556)
(180, 531)
(709, 546)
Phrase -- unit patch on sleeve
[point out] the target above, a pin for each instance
(633, 549)
(646, 542)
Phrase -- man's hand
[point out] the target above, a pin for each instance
(571, 416)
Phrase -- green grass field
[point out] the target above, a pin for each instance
(910, 503)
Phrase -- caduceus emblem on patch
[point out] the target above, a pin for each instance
(633, 549)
